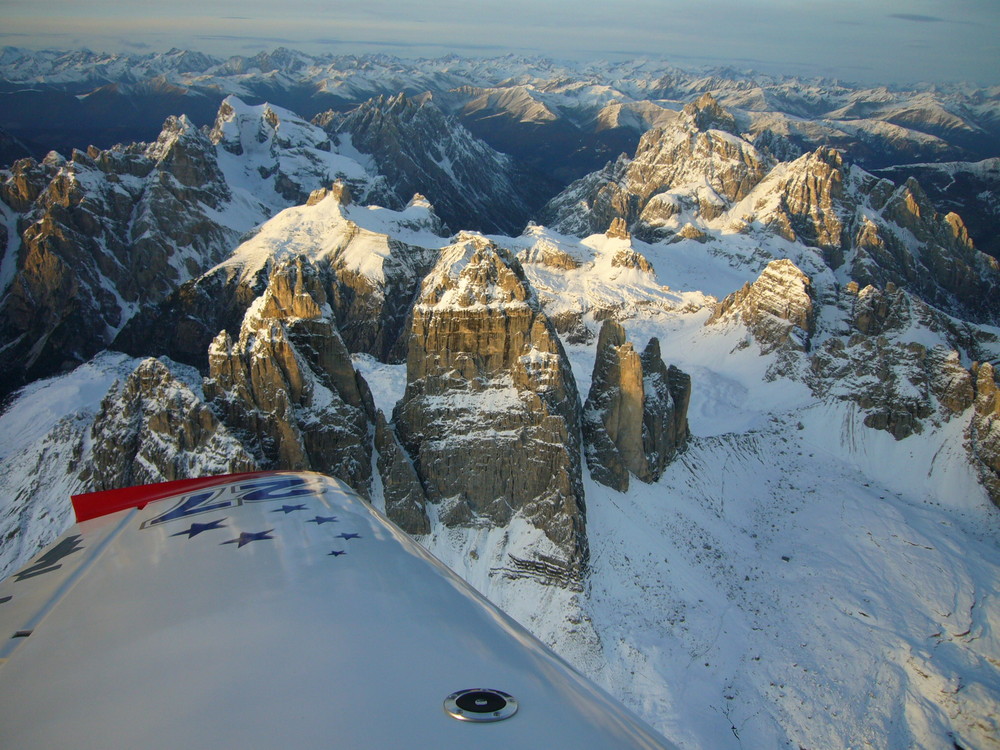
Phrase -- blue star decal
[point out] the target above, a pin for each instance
(320, 520)
(286, 509)
(250, 536)
(338, 552)
(349, 535)
(197, 528)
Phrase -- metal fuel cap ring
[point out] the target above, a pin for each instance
(480, 705)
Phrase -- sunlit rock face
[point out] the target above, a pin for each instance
(696, 162)
(286, 384)
(491, 415)
(777, 308)
(985, 429)
(635, 418)
(102, 233)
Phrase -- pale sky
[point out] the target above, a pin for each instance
(872, 41)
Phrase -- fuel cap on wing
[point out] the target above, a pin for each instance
(480, 704)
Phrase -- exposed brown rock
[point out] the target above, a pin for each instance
(899, 383)
(777, 308)
(404, 497)
(491, 414)
(635, 417)
(155, 427)
(288, 384)
(810, 203)
(618, 229)
(984, 431)
(697, 148)
(94, 244)
(629, 258)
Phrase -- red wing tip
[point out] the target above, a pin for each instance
(92, 505)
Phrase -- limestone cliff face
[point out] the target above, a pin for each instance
(286, 384)
(881, 234)
(695, 163)
(635, 418)
(417, 148)
(372, 308)
(946, 269)
(984, 431)
(370, 280)
(491, 415)
(698, 179)
(108, 233)
(810, 196)
(777, 308)
(405, 499)
(104, 232)
(155, 427)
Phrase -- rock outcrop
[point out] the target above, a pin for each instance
(156, 427)
(984, 430)
(108, 233)
(881, 234)
(370, 280)
(405, 500)
(777, 308)
(102, 233)
(417, 148)
(286, 385)
(697, 179)
(695, 163)
(884, 367)
(635, 418)
(278, 152)
(491, 415)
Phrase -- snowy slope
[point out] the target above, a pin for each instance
(796, 579)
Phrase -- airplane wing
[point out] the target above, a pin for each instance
(270, 610)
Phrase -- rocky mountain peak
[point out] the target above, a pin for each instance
(917, 248)
(806, 203)
(635, 417)
(474, 271)
(186, 153)
(418, 148)
(690, 165)
(105, 232)
(156, 427)
(777, 308)
(287, 385)
(491, 413)
(705, 113)
(618, 229)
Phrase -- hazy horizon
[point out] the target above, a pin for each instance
(893, 41)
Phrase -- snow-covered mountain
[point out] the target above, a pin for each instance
(723, 427)
(560, 117)
(420, 150)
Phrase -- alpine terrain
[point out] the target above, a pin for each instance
(693, 373)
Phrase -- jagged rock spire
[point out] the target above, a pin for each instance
(635, 418)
